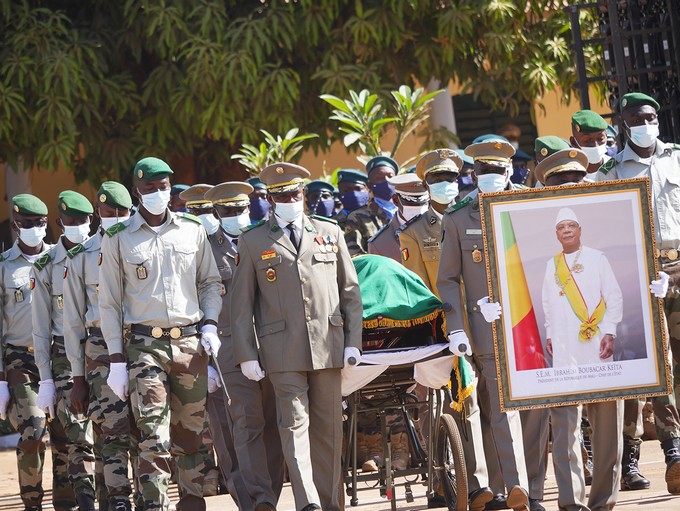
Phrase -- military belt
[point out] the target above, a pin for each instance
(24, 348)
(158, 332)
(94, 331)
(58, 339)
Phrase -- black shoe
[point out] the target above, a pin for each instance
(33, 508)
(120, 505)
(479, 498)
(436, 502)
(499, 501)
(535, 505)
(85, 502)
(631, 478)
(311, 507)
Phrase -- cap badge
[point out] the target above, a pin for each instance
(102, 198)
(444, 154)
(578, 128)
(497, 145)
(140, 173)
(572, 153)
(16, 208)
(624, 102)
(63, 206)
(279, 170)
(544, 152)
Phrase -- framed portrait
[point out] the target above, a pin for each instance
(571, 268)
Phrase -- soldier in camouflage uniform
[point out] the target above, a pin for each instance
(110, 416)
(56, 382)
(646, 156)
(18, 372)
(158, 278)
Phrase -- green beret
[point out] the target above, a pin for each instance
(319, 185)
(27, 204)
(588, 121)
(177, 189)
(545, 146)
(115, 195)
(381, 161)
(352, 176)
(487, 137)
(74, 204)
(152, 168)
(637, 98)
(256, 183)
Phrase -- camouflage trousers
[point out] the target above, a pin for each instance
(114, 432)
(168, 389)
(666, 417)
(78, 429)
(31, 423)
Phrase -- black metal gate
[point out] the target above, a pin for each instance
(640, 45)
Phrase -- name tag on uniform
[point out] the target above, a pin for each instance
(473, 232)
(430, 243)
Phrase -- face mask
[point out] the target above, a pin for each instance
(259, 209)
(107, 223)
(612, 150)
(354, 200)
(325, 208)
(387, 205)
(464, 181)
(32, 237)
(156, 202)
(594, 154)
(383, 190)
(444, 192)
(210, 223)
(77, 233)
(233, 224)
(289, 211)
(644, 136)
(410, 212)
(489, 183)
(519, 176)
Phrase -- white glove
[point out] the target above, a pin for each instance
(214, 382)
(4, 399)
(251, 369)
(659, 288)
(118, 379)
(211, 343)
(354, 354)
(490, 310)
(47, 396)
(459, 344)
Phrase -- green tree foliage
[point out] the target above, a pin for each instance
(96, 84)
(273, 149)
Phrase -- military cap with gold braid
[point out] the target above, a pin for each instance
(74, 204)
(195, 196)
(283, 177)
(566, 160)
(587, 121)
(115, 195)
(494, 152)
(410, 188)
(439, 160)
(152, 168)
(27, 204)
(232, 194)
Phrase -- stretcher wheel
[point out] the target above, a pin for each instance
(449, 464)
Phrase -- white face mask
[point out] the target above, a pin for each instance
(33, 236)
(489, 183)
(107, 223)
(645, 135)
(77, 233)
(410, 212)
(444, 192)
(156, 202)
(289, 211)
(233, 224)
(594, 154)
(210, 223)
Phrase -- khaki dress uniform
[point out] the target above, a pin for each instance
(385, 242)
(420, 246)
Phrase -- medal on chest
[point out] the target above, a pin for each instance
(141, 272)
(19, 296)
(476, 256)
(270, 274)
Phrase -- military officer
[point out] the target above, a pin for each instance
(259, 207)
(159, 281)
(462, 259)
(177, 205)
(18, 372)
(465, 181)
(543, 147)
(644, 155)
(56, 382)
(319, 198)
(353, 193)
(197, 205)
(110, 416)
(252, 413)
(295, 276)
(589, 134)
(365, 221)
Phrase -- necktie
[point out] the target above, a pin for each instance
(293, 236)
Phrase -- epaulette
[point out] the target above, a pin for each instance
(191, 217)
(378, 233)
(323, 219)
(42, 261)
(676, 147)
(411, 222)
(252, 226)
(75, 251)
(607, 166)
(115, 228)
(458, 205)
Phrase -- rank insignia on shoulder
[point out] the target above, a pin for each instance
(191, 217)
(268, 254)
(458, 205)
(404, 254)
(115, 228)
(252, 226)
(323, 219)
(608, 166)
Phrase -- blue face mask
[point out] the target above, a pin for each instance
(387, 206)
(259, 209)
(325, 208)
(383, 190)
(612, 150)
(464, 181)
(519, 176)
(353, 200)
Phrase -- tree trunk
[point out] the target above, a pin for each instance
(441, 109)
(16, 181)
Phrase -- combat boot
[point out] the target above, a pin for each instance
(85, 502)
(211, 483)
(375, 453)
(120, 505)
(631, 478)
(400, 451)
(671, 449)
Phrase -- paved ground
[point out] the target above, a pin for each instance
(652, 466)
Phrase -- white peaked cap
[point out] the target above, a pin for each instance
(566, 214)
